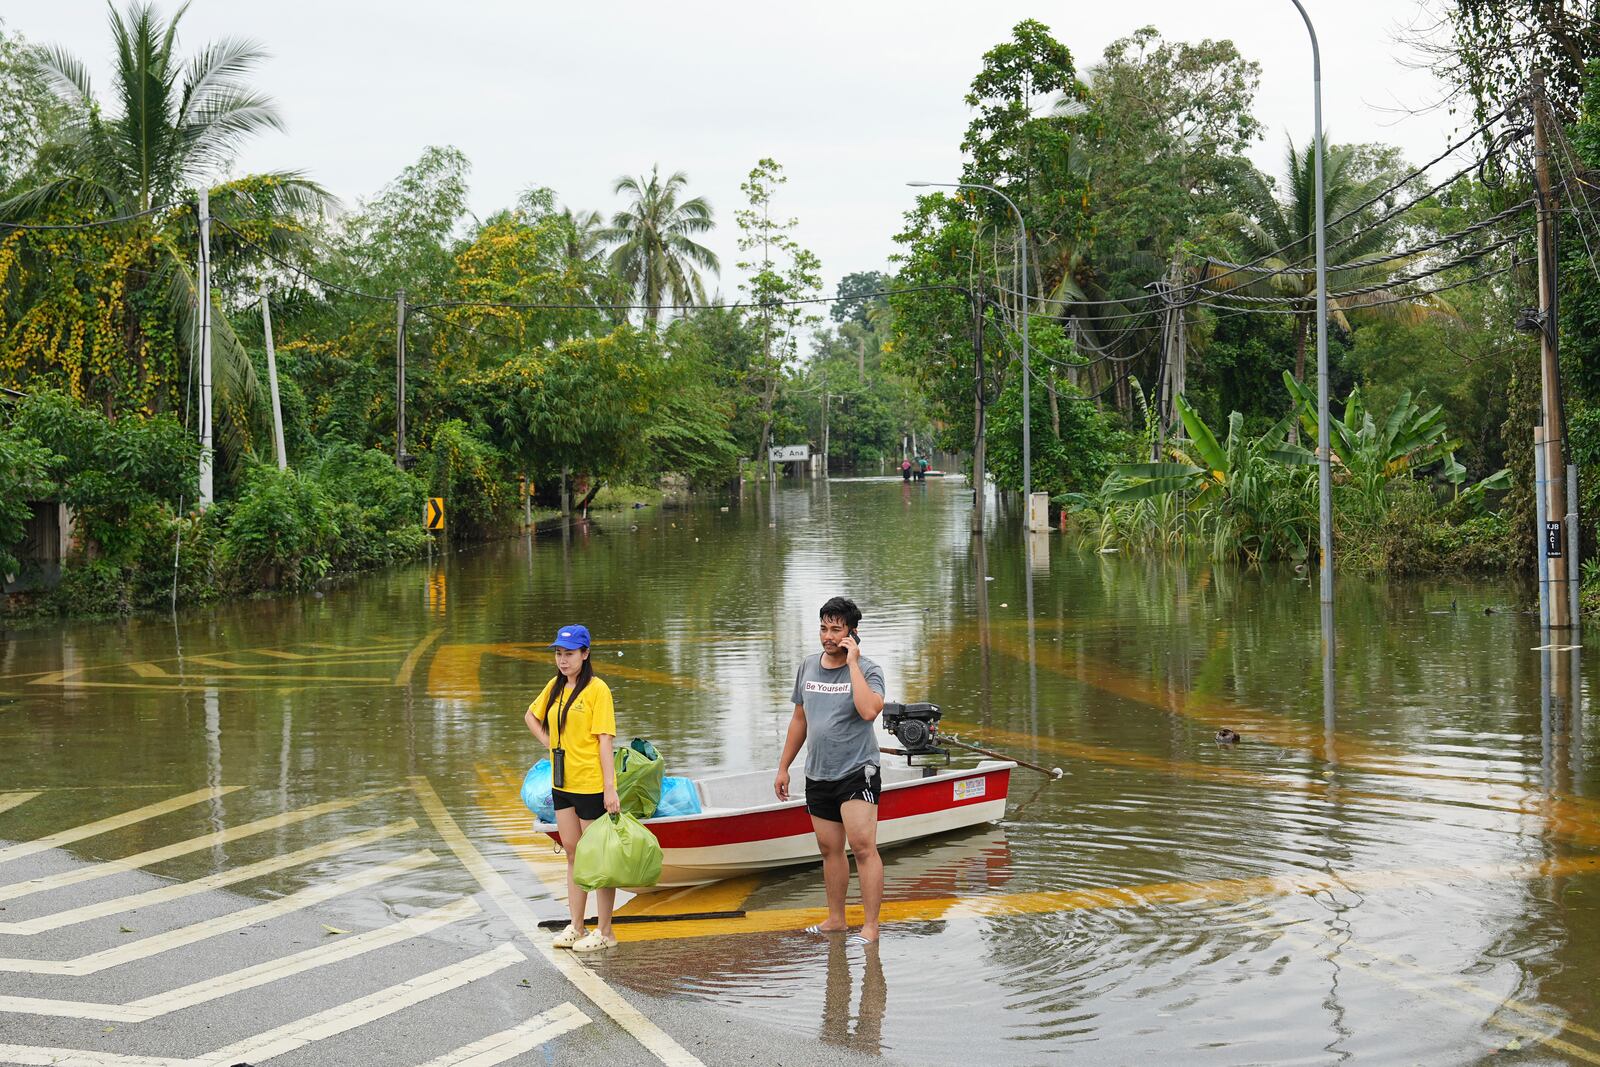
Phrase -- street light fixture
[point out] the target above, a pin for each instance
(1027, 397)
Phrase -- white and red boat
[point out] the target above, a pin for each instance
(741, 829)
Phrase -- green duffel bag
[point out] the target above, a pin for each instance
(639, 772)
(617, 850)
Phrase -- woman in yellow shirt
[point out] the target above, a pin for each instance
(574, 715)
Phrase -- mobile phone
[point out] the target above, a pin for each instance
(856, 638)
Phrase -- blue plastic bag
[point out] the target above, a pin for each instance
(536, 792)
(678, 797)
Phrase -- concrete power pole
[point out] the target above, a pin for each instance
(1553, 490)
(206, 458)
(272, 383)
(400, 379)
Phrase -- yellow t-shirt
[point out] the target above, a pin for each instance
(591, 715)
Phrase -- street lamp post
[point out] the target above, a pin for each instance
(1324, 450)
(1027, 398)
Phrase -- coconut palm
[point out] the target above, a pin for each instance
(1279, 232)
(656, 255)
(172, 123)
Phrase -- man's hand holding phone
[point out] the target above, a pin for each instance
(852, 647)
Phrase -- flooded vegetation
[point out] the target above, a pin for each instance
(1407, 878)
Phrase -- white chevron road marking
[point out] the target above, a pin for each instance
(659, 1043)
(497, 1048)
(223, 985)
(363, 1010)
(188, 935)
(230, 876)
(336, 1020)
(114, 822)
(180, 848)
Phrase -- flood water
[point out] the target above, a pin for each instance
(1403, 874)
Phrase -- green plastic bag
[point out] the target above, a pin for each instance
(639, 772)
(617, 850)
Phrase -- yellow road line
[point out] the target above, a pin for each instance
(183, 848)
(1532, 1011)
(625, 1015)
(727, 895)
(229, 876)
(114, 822)
(1508, 1025)
(1564, 818)
(12, 800)
(499, 797)
(402, 677)
(188, 935)
(994, 906)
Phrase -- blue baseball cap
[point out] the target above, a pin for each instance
(571, 637)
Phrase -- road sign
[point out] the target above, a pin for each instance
(433, 514)
(1552, 539)
(789, 453)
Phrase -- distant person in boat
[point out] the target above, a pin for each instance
(574, 715)
(838, 693)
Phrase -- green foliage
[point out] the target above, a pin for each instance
(25, 468)
(656, 254)
(781, 275)
(474, 479)
(107, 471)
(280, 531)
(1071, 450)
(1172, 123)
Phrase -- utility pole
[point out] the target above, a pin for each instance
(1553, 489)
(272, 383)
(400, 379)
(206, 458)
(977, 414)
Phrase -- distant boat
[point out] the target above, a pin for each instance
(742, 829)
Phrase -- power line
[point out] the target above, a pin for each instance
(1388, 257)
(1400, 299)
(89, 225)
(1379, 286)
(1397, 185)
(301, 271)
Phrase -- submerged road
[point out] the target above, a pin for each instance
(431, 959)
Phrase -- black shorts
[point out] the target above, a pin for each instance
(823, 799)
(589, 806)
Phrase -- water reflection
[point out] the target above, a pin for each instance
(861, 1029)
(1412, 806)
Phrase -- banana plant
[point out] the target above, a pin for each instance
(1204, 464)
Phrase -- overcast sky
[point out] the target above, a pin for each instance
(854, 99)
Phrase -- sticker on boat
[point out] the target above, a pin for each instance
(968, 788)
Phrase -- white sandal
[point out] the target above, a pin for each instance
(567, 938)
(593, 942)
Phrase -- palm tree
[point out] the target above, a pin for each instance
(1280, 233)
(173, 123)
(656, 254)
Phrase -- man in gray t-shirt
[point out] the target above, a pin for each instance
(837, 697)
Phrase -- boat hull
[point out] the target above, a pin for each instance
(727, 843)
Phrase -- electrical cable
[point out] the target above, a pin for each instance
(301, 271)
(1399, 184)
(1401, 299)
(90, 225)
(1389, 257)
(1376, 287)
